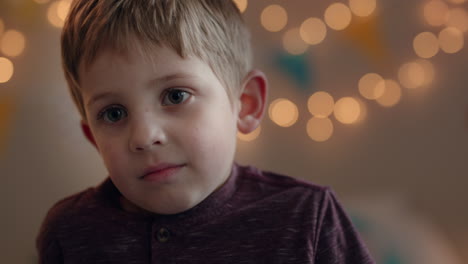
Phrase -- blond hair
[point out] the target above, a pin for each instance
(212, 30)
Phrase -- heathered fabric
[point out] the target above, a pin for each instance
(255, 217)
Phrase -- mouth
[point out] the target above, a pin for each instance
(161, 171)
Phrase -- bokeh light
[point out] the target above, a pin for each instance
(392, 94)
(12, 43)
(57, 12)
(347, 110)
(429, 71)
(362, 8)
(426, 45)
(53, 17)
(274, 18)
(436, 12)
(319, 129)
(412, 75)
(368, 86)
(293, 43)
(338, 16)
(241, 4)
(6, 70)
(283, 112)
(251, 136)
(63, 8)
(451, 40)
(321, 104)
(313, 31)
(458, 18)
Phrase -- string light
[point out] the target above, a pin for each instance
(319, 129)
(293, 43)
(347, 110)
(451, 40)
(411, 75)
(274, 18)
(436, 12)
(283, 112)
(313, 31)
(458, 18)
(57, 12)
(426, 45)
(321, 104)
(12, 43)
(362, 8)
(338, 16)
(241, 4)
(391, 95)
(368, 86)
(6, 70)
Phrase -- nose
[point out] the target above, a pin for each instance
(146, 134)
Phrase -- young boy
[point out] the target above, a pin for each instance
(163, 87)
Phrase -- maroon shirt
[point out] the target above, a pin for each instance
(255, 217)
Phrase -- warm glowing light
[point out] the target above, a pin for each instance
(392, 94)
(12, 43)
(241, 4)
(436, 12)
(41, 1)
(338, 16)
(6, 70)
(321, 104)
(362, 8)
(283, 112)
(313, 31)
(53, 15)
(274, 18)
(457, 1)
(319, 129)
(426, 45)
(251, 136)
(293, 43)
(451, 40)
(429, 71)
(62, 9)
(368, 86)
(347, 110)
(411, 75)
(458, 18)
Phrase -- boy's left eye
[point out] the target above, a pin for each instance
(175, 96)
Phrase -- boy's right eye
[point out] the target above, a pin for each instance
(113, 114)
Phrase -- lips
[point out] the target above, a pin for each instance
(161, 170)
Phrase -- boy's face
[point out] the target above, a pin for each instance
(166, 129)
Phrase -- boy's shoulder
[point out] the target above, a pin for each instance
(276, 183)
(79, 205)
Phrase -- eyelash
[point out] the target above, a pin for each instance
(185, 96)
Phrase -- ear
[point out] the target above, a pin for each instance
(252, 101)
(87, 132)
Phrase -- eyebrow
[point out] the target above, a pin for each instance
(162, 79)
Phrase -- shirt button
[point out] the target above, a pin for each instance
(163, 235)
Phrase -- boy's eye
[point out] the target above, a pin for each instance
(175, 96)
(113, 114)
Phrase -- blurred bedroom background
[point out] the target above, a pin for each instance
(369, 97)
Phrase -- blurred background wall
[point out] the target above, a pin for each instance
(366, 96)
